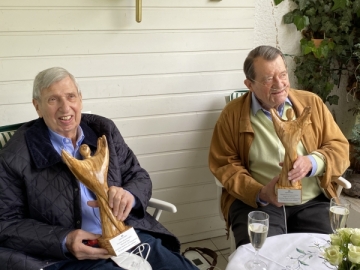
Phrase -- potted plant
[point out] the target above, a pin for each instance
(320, 66)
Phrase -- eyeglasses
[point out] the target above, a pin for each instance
(268, 82)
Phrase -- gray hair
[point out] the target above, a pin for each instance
(47, 77)
(268, 53)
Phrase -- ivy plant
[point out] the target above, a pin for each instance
(336, 22)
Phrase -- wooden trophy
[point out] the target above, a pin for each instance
(92, 172)
(289, 132)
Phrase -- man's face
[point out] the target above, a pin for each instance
(60, 105)
(271, 85)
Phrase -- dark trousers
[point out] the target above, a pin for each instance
(312, 216)
(160, 258)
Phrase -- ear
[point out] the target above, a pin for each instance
(248, 84)
(80, 96)
(37, 107)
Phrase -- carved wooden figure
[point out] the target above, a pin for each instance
(289, 132)
(92, 172)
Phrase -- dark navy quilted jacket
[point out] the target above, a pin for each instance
(40, 198)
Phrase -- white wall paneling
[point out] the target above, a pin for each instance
(162, 81)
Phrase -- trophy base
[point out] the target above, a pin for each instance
(289, 194)
(104, 242)
(120, 243)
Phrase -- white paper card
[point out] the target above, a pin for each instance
(289, 196)
(125, 241)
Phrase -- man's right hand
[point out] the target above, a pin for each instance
(75, 245)
(267, 193)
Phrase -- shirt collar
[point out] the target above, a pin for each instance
(256, 106)
(59, 140)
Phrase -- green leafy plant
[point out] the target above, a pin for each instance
(320, 67)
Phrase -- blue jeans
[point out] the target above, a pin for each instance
(160, 258)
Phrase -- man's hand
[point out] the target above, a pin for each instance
(75, 245)
(300, 169)
(120, 201)
(267, 193)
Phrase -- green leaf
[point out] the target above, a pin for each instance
(331, 45)
(302, 4)
(356, 5)
(324, 50)
(339, 4)
(303, 263)
(288, 18)
(307, 46)
(301, 22)
(278, 2)
(300, 251)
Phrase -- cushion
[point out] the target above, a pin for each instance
(6, 132)
(237, 94)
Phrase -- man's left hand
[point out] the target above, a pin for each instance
(300, 169)
(120, 201)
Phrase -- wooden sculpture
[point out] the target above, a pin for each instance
(289, 132)
(92, 172)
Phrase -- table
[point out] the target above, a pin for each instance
(300, 251)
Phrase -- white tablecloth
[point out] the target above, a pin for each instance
(286, 252)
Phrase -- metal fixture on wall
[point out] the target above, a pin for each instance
(138, 10)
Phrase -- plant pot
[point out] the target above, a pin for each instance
(317, 41)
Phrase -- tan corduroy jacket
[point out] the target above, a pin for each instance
(233, 135)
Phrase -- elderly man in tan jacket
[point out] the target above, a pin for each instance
(246, 155)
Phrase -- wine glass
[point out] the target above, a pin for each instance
(258, 224)
(339, 212)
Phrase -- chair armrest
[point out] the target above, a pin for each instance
(218, 183)
(343, 183)
(159, 206)
(218, 195)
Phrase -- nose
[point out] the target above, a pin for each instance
(276, 80)
(64, 105)
(278, 83)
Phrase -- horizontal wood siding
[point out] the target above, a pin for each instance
(162, 82)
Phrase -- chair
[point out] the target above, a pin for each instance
(341, 181)
(6, 132)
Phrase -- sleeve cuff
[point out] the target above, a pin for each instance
(314, 166)
(318, 164)
(260, 202)
(64, 248)
(134, 202)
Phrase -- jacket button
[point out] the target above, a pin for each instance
(78, 222)
(76, 189)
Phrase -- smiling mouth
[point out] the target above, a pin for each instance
(65, 118)
(277, 91)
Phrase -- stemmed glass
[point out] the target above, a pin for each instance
(258, 224)
(339, 212)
